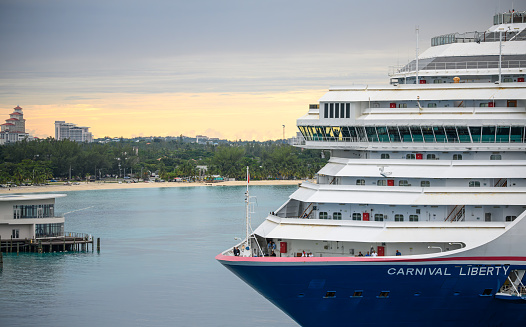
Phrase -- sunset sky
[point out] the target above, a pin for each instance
(228, 69)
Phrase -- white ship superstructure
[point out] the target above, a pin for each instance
(428, 169)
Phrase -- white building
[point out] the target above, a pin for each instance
(72, 132)
(14, 128)
(30, 216)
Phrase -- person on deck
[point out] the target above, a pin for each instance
(398, 252)
(236, 251)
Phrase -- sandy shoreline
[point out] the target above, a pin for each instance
(83, 186)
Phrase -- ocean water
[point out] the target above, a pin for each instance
(156, 266)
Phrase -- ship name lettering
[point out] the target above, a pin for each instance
(443, 271)
(418, 271)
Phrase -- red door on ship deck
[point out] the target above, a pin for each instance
(381, 251)
(365, 216)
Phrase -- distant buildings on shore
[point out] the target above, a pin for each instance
(69, 131)
(14, 128)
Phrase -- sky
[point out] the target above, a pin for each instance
(233, 69)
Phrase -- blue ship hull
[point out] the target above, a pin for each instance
(385, 294)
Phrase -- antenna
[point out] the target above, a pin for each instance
(417, 30)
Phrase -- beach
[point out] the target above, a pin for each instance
(92, 186)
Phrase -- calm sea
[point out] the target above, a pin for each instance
(156, 266)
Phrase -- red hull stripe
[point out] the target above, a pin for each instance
(221, 257)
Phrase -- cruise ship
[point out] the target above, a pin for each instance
(419, 217)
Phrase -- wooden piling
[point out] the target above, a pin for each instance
(17, 247)
(1, 259)
(64, 245)
(98, 244)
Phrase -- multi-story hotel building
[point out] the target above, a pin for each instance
(14, 128)
(72, 132)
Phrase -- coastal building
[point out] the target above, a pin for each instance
(14, 128)
(72, 132)
(30, 216)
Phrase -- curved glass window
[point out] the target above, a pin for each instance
(451, 134)
(323, 215)
(503, 134)
(383, 136)
(405, 135)
(427, 133)
(488, 134)
(371, 134)
(337, 216)
(356, 216)
(416, 132)
(394, 135)
(476, 133)
(440, 134)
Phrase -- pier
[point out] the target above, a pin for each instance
(70, 242)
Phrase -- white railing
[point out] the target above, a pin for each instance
(465, 65)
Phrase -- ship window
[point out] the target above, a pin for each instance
(403, 182)
(378, 217)
(474, 184)
(503, 134)
(323, 215)
(399, 217)
(410, 156)
(337, 216)
(336, 110)
(431, 156)
(394, 135)
(431, 105)
(381, 182)
(475, 133)
(511, 218)
(342, 110)
(495, 157)
(383, 295)
(413, 217)
(301, 295)
(405, 135)
(425, 184)
(507, 80)
(330, 294)
(326, 110)
(348, 110)
(483, 104)
(417, 134)
(360, 182)
(331, 110)
(358, 294)
(356, 216)
(457, 157)
(384, 156)
(402, 105)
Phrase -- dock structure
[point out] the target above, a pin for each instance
(29, 223)
(70, 242)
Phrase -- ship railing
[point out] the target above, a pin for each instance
(464, 65)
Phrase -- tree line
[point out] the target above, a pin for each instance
(40, 160)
